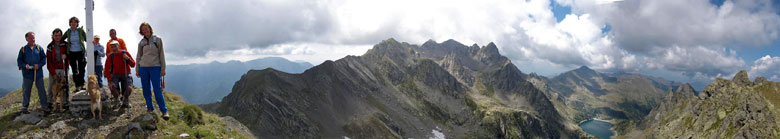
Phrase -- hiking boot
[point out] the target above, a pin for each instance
(149, 111)
(46, 112)
(24, 112)
(166, 116)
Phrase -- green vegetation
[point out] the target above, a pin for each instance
(207, 126)
(771, 91)
(193, 115)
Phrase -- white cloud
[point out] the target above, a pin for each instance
(697, 61)
(766, 66)
(693, 39)
(642, 25)
(689, 38)
(314, 53)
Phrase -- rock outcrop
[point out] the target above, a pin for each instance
(742, 79)
(724, 109)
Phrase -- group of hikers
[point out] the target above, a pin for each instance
(68, 51)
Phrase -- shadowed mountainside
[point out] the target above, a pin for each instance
(398, 90)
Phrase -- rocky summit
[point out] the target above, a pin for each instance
(134, 122)
(398, 90)
(734, 108)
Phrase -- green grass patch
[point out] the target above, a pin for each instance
(190, 119)
(193, 115)
(771, 91)
(715, 125)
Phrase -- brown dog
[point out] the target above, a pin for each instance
(57, 91)
(94, 96)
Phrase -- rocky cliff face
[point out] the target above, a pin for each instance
(398, 90)
(736, 108)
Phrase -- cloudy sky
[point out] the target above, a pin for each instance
(682, 40)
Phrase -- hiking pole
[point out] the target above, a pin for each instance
(35, 76)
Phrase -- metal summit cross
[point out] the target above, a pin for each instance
(90, 6)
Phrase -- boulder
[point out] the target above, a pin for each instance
(58, 126)
(28, 118)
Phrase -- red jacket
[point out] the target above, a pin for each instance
(51, 61)
(118, 64)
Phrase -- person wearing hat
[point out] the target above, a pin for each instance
(99, 54)
(117, 71)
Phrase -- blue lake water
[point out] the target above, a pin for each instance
(597, 128)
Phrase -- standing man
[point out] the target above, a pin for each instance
(99, 54)
(76, 37)
(117, 72)
(30, 60)
(121, 42)
(57, 64)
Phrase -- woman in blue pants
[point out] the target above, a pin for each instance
(150, 61)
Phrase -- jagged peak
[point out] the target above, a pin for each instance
(491, 44)
(452, 43)
(389, 41)
(742, 78)
(760, 80)
(491, 47)
(474, 46)
(430, 43)
(585, 70)
(583, 67)
(387, 46)
(687, 90)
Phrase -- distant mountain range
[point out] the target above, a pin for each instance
(208, 83)
(398, 90)
(10, 80)
(584, 93)
(4, 91)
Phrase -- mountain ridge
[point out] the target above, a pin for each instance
(736, 108)
(209, 82)
(583, 94)
(394, 90)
